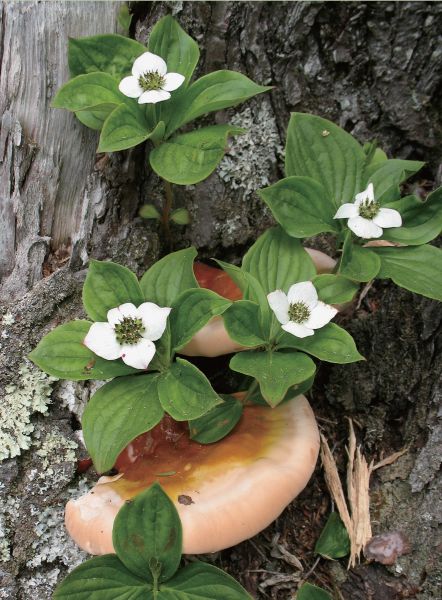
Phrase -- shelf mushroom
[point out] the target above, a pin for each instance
(213, 339)
(224, 492)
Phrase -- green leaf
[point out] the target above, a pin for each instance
(387, 175)
(358, 263)
(181, 54)
(191, 157)
(178, 49)
(252, 290)
(114, 54)
(319, 149)
(85, 92)
(116, 414)
(277, 261)
(330, 343)
(191, 311)
(373, 153)
(147, 531)
(301, 206)
(102, 578)
(334, 289)
(249, 286)
(333, 541)
(163, 355)
(63, 354)
(180, 216)
(421, 220)
(218, 422)
(94, 119)
(185, 393)
(149, 211)
(242, 322)
(199, 581)
(300, 388)
(125, 127)
(169, 277)
(107, 286)
(417, 269)
(311, 592)
(276, 372)
(124, 17)
(215, 91)
(157, 134)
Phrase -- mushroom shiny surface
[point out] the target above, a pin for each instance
(225, 492)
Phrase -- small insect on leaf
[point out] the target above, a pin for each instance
(90, 365)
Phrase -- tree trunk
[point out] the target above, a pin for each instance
(372, 67)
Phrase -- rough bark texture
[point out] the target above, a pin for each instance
(372, 67)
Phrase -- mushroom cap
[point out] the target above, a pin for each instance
(224, 492)
(213, 339)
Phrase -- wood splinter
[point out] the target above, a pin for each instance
(356, 514)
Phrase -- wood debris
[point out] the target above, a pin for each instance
(356, 514)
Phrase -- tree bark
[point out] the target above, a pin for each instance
(373, 67)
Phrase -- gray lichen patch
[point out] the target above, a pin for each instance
(52, 543)
(8, 319)
(57, 455)
(30, 394)
(74, 395)
(39, 585)
(9, 507)
(250, 162)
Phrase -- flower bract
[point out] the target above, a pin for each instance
(129, 333)
(150, 82)
(365, 216)
(299, 311)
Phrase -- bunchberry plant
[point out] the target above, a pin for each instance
(285, 317)
(147, 537)
(337, 186)
(134, 331)
(131, 94)
(136, 328)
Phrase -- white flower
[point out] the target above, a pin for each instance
(150, 82)
(300, 311)
(129, 333)
(365, 216)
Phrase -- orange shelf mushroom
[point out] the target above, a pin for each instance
(225, 492)
(213, 339)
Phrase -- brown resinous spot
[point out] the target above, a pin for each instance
(369, 209)
(129, 330)
(151, 80)
(299, 312)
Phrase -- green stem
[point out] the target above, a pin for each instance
(250, 391)
(167, 207)
(155, 590)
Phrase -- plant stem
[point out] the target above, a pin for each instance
(155, 589)
(167, 207)
(250, 391)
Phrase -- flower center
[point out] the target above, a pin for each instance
(129, 330)
(368, 209)
(299, 312)
(151, 80)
